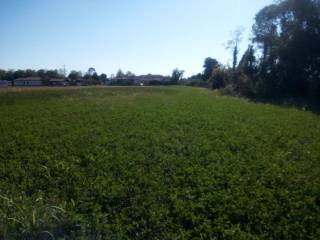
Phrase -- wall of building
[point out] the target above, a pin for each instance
(28, 83)
(4, 83)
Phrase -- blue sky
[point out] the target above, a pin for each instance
(143, 36)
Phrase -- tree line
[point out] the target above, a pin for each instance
(282, 60)
(91, 76)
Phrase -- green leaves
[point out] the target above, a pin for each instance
(155, 163)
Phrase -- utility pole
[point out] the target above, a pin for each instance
(64, 70)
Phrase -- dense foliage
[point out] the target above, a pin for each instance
(91, 76)
(283, 60)
(155, 163)
(289, 35)
(44, 74)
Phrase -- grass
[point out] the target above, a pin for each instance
(155, 163)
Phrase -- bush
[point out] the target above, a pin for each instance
(197, 83)
(219, 78)
(244, 84)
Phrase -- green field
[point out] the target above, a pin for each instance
(155, 163)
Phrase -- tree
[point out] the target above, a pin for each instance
(95, 77)
(9, 75)
(288, 35)
(75, 75)
(18, 74)
(3, 74)
(91, 71)
(196, 76)
(233, 44)
(209, 65)
(177, 75)
(248, 62)
(103, 78)
(120, 74)
(53, 74)
(219, 78)
(91, 75)
(129, 74)
(41, 73)
(31, 73)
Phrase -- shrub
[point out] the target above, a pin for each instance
(219, 78)
(244, 84)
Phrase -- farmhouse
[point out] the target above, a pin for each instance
(4, 83)
(124, 80)
(151, 79)
(58, 82)
(28, 81)
(87, 82)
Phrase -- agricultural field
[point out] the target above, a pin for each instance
(155, 163)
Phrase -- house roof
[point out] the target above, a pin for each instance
(125, 78)
(151, 77)
(29, 79)
(57, 80)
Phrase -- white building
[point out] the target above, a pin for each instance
(4, 83)
(58, 82)
(29, 81)
(151, 79)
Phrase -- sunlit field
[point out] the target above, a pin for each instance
(155, 163)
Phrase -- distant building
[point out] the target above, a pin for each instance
(141, 80)
(28, 81)
(125, 80)
(79, 83)
(107, 82)
(4, 83)
(58, 82)
(152, 79)
(83, 82)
